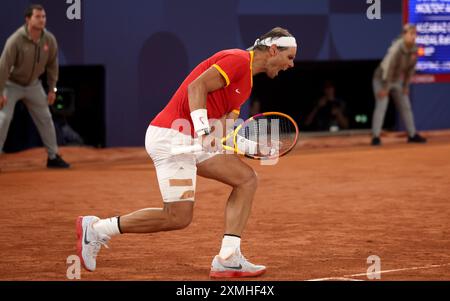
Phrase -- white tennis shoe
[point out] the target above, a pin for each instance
(89, 241)
(235, 266)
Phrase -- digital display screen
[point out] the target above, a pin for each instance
(432, 19)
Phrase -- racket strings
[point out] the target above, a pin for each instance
(282, 134)
(273, 134)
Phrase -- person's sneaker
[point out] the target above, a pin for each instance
(89, 241)
(57, 162)
(234, 266)
(376, 141)
(417, 139)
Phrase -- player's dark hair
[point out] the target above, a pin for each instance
(276, 32)
(31, 8)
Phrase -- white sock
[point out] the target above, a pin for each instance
(229, 246)
(108, 226)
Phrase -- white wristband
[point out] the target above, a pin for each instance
(200, 120)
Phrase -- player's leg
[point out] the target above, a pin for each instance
(176, 177)
(37, 104)
(93, 232)
(12, 93)
(403, 104)
(231, 170)
(381, 105)
(173, 216)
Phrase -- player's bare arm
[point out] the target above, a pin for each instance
(207, 82)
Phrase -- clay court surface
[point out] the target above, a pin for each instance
(318, 214)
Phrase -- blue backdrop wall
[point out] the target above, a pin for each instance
(148, 47)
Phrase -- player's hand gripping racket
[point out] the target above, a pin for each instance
(263, 136)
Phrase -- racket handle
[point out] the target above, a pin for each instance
(186, 149)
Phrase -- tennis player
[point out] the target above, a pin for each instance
(215, 89)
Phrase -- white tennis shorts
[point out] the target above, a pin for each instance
(176, 173)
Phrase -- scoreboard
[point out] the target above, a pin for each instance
(432, 19)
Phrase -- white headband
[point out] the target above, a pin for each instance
(279, 41)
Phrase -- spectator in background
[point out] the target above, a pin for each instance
(393, 76)
(28, 53)
(329, 112)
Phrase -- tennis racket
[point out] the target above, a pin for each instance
(262, 136)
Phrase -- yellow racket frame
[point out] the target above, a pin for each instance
(235, 149)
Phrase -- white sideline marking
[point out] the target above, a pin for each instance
(334, 278)
(404, 269)
(349, 277)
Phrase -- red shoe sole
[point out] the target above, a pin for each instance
(235, 274)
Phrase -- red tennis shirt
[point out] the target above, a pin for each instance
(235, 65)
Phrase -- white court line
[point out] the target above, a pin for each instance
(348, 277)
(404, 269)
(334, 278)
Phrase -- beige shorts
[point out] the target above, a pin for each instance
(176, 173)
